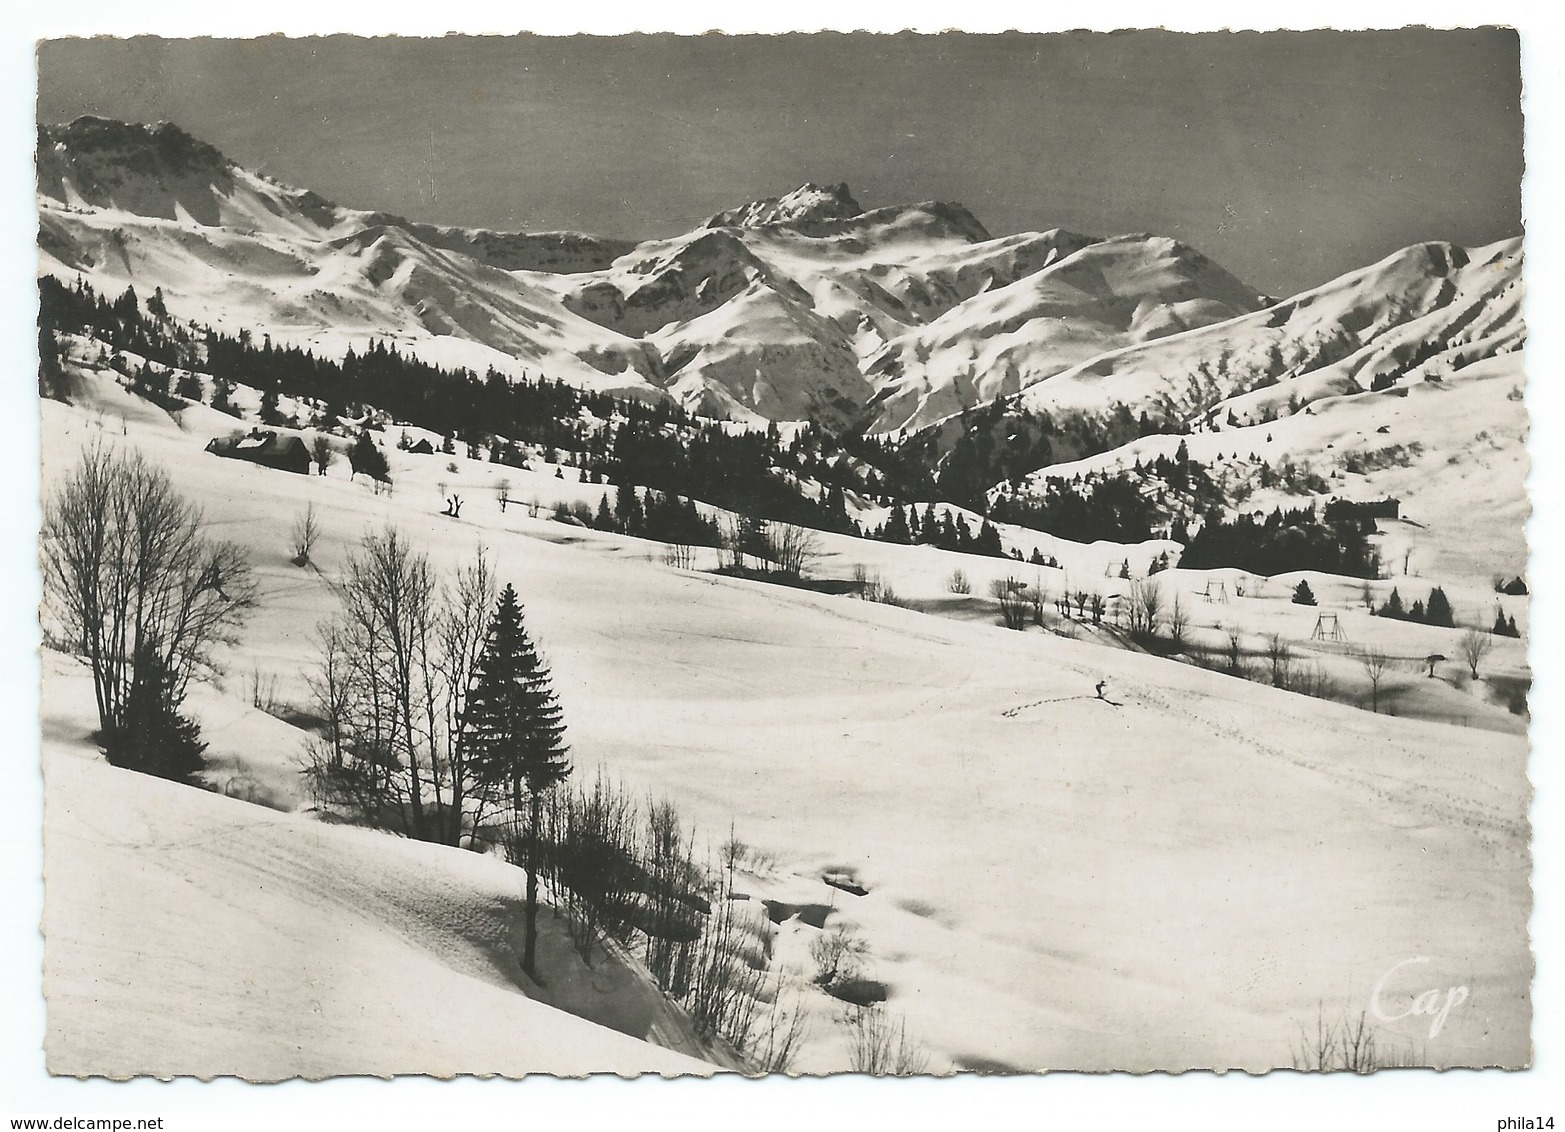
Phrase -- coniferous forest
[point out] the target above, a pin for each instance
(804, 478)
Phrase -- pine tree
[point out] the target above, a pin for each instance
(270, 412)
(365, 457)
(1438, 611)
(154, 737)
(1302, 594)
(897, 527)
(514, 737)
(51, 375)
(222, 396)
(628, 509)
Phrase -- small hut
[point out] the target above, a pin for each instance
(268, 449)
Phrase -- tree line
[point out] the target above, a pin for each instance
(752, 472)
(1282, 541)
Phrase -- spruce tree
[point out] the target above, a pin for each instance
(897, 529)
(365, 457)
(514, 735)
(1438, 611)
(154, 737)
(627, 509)
(271, 414)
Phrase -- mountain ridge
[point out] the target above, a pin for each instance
(898, 319)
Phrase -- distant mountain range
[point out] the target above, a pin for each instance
(802, 306)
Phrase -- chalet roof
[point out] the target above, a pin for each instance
(257, 442)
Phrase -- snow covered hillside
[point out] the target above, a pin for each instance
(195, 934)
(1449, 443)
(1180, 870)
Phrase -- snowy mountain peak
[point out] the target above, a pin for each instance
(808, 202)
(160, 171)
(161, 147)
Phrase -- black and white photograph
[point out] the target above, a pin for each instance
(749, 555)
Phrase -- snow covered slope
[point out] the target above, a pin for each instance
(1013, 335)
(1424, 309)
(193, 934)
(1181, 877)
(1452, 451)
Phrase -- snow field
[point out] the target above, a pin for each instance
(1053, 881)
(191, 934)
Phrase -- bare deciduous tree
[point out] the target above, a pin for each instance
(794, 549)
(881, 1047)
(306, 530)
(1233, 651)
(732, 549)
(724, 990)
(128, 574)
(1279, 656)
(1145, 607)
(392, 682)
(1348, 1045)
(330, 685)
(1473, 647)
(1036, 597)
(591, 861)
(263, 690)
(958, 582)
(462, 619)
(780, 1031)
(1313, 680)
(872, 586)
(1178, 621)
(503, 490)
(836, 953)
(1014, 603)
(1375, 664)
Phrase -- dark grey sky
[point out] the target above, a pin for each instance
(1288, 157)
